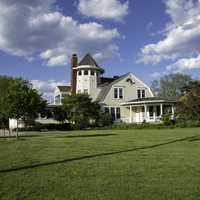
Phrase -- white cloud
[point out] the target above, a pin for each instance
(181, 38)
(185, 64)
(47, 88)
(104, 9)
(155, 75)
(36, 28)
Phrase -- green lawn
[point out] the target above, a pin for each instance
(102, 165)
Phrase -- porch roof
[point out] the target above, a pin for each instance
(149, 100)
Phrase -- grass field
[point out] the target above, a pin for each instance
(102, 165)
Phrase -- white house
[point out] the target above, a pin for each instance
(60, 92)
(125, 97)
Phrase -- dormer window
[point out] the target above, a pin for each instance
(118, 93)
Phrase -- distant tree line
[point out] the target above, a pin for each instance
(185, 90)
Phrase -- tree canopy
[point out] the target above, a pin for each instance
(83, 112)
(189, 104)
(171, 85)
(19, 100)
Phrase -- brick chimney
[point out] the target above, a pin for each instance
(74, 64)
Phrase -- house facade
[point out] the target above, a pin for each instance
(127, 98)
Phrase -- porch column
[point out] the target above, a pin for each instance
(145, 112)
(131, 115)
(161, 109)
(172, 111)
(154, 113)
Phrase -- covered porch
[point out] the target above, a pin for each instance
(149, 109)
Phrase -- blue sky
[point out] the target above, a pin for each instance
(147, 37)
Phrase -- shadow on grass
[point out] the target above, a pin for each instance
(194, 139)
(86, 136)
(97, 155)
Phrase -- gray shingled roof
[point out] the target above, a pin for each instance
(64, 88)
(89, 60)
(105, 88)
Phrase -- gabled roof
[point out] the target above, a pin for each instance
(105, 88)
(88, 60)
(64, 88)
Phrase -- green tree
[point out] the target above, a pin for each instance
(4, 117)
(171, 85)
(188, 107)
(59, 114)
(22, 101)
(81, 110)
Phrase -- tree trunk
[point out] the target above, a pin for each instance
(4, 130)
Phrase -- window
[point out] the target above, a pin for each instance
(92, 73)
(79, 73)
(79, 91)
(118, 113)
(58, 99)
(143, 93)
(85, 91)
(158, 111)
(106, 109)
(151, 111)
(113, 113)
(139, 94)
(118, 93)
(86, 72)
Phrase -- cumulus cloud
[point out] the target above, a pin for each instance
(181, 37)
(155, 75)
(36, 28)
(47, 88)
(104, 9)
(185, 64)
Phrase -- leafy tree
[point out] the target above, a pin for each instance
(171, 85)
(188, 107)
(81, 110)
(59, 114)
(4, 117)
(22, 101)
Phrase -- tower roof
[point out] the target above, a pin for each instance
(88, 60)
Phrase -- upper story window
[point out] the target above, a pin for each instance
(86, 72)
(79, 73)
(118, 93)
(92, 73)
(141, 94)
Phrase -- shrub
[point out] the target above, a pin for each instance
(167, 119)
(187, 123)
(103, 120)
